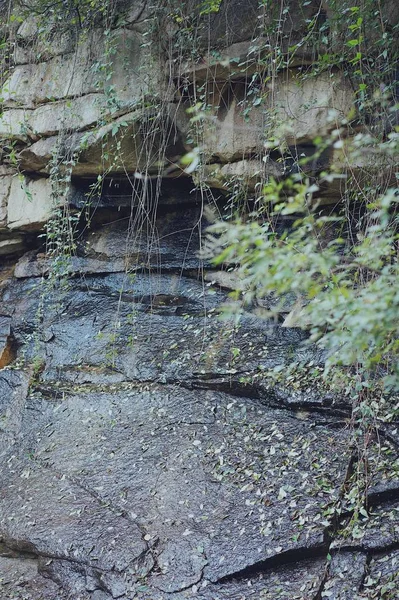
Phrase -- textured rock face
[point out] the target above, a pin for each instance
(304, 110)
(145, 453)
(31, 203)
(109, 100)
(72, 74)
(5, 184)
(142, 457)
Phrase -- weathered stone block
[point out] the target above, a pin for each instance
(5, 184)
(303, 110)
(37, 156)
(235, 62)
(123, 70)
(237, 21)
(49, 119)
(11, 245)
(292, 111)
(248, 173)
(33, 45)
(64, 76)
(31, 203)
(234, 133)
(116, 147)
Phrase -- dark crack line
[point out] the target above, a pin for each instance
(326, 578)
(380, 497)
(378, 552)
(331, 530)
(365, 572)
(254, 393)
(47, 388)
(323, 582)
(104, 503)
(230, 388)
(372, 499)
(7, 551)
(37, 554)
(10, 385)
(137, 19)
(373, 552)
(189, 585)
(388, 436)
(296, 555)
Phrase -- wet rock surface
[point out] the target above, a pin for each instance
(145, 450)
(144, 457)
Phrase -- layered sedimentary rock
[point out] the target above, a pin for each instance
(145, 453)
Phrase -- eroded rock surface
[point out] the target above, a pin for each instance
(142, 457)
(93, 99)
(146, 453)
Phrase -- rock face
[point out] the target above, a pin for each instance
(31, 204)
(145, 451)
(141, 455)
(113, 97)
